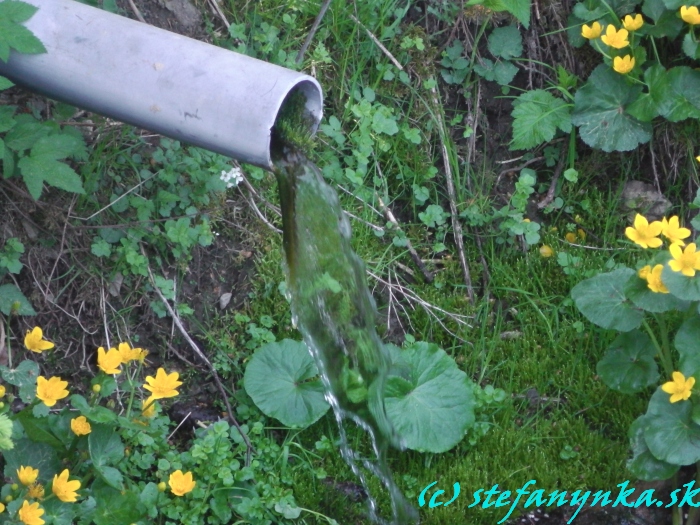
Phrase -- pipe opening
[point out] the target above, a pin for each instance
(297, 120)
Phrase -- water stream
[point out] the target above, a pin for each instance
(334, 310)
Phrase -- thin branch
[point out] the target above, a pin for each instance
(312, 33)
(200, 354)
(136, 11)
(378, 43)
(553, 185)
(429, 277)
(456, 225)
(219, 12)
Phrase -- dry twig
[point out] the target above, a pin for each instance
(312, 32)
(378, 43)
(200, 354)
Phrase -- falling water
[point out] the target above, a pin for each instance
(335, 312)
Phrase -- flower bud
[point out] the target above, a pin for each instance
(162, 486)
(96, 388)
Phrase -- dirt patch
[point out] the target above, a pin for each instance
(178, 16)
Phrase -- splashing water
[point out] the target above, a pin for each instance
(335, 312)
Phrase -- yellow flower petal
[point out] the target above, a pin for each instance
(615, 38)
(51, 390)
(633, 23)
(30, 513)
(623, 65)
(80, 426)
(690, 15)
(181, 484)
(63, 489)
(27, 475)
(35, 342)
(110, 361)
(163, 385)
(591, 32)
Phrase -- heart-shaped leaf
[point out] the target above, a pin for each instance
(282, 379)
(686, 342)
(670, 432)
(643, 463)
(629, 365)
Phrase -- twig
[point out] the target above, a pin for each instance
(219, 12)
(200, 354)
(553, 185)
(378, 43)
(312, 33)
(429, 277)
(136, 11)
(456, 225)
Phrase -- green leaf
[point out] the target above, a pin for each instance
(520, 9)
(105, 445)
(628, 365)
(648, 106)
(383, 121)
(670, 432)
(682, 286)
(686, 342)
(683, 94)
(5, 83)
(6, 117)
(11, 295)
(12, 34)
(674, 5)
(536, 116)
(39, 169)
(643, 463)
(39, 429)
(14, 11)
(282, 379)
(58, 513)
(599, 111)
(114, 507)
(24, 377)
(505, 42)
(431, 408)
(601, 299)
(690, 46)
(637, 291)
(25, 134)
(30, 453)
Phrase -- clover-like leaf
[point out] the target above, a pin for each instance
(601, 299)
(282, 379)
(670, 432)
(433, 406)
(643, 463)
(600, 112)
(628, 365)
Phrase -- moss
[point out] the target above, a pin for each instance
(294, 125)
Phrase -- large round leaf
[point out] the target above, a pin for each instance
(687, 342)
(643, 463)
(670, 432)
(629, 365)
(682, 95)
(282, 379)
(682, 286)
(433, 407)
(602, 300)
(599, 111)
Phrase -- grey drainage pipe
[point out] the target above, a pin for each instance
(170, 84)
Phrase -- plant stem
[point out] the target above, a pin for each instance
(665, 358)
(665, 344)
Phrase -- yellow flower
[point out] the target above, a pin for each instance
(36, 491)
(128, 354)
(581, 234)
(51, 390)
(2, 508)
(142, 355)
(673, 232)
(591, 32)
(64, 489)
(645, 234)
(27, 475)
(686, 261)
(623, 65)
(109, 362)
(30, 513)
(680, 388)
(163, 385)
(632, 23)
(2, 390)
(546, 251)
(615, 38)
(148, 407)
(570, 237)
(690, 15)
(80, 426)
(34, 341)
(654, 281)
(697, 158)
(181, 484)
(643, 273)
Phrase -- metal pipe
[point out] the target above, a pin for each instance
(161, 81)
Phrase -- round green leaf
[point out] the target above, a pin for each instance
(599, 111)
(682, 286)
(629, 365)
(670, 432)
(602, 300)
(682, 95)
(637, 291)
(643, 463)
(433, 406)
(686, 343)
(282, 379)
(11, 295)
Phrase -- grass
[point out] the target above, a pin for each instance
(559, 424)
